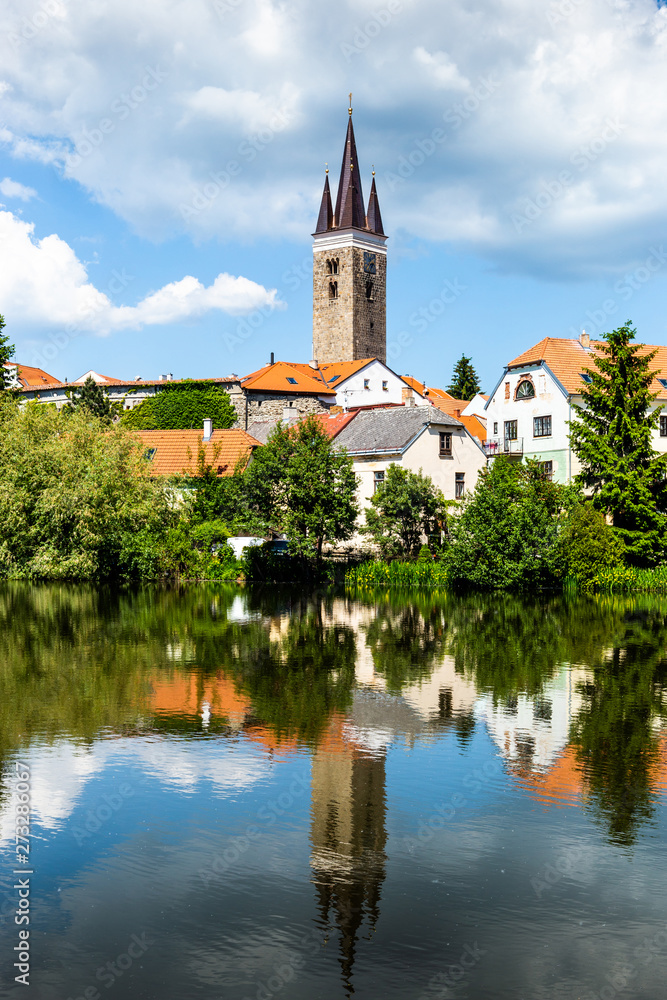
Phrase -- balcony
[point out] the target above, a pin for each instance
(503, 446)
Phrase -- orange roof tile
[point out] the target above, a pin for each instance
(567, 359)
(33, 377)
(332, 424)
(171, 456)
(452, 407)
(336, 371)
(425, 390)
(286, 377)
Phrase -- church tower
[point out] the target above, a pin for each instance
(349, 269)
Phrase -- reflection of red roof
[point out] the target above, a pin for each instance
(176, 451)
(561, 785)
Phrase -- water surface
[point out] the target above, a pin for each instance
(256, 794)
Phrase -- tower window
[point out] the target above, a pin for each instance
(332, 265)
(369, 291)
(333, 289)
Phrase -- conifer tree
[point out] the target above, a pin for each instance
(465, 383)
(612, 439)
(92, 398)
(6, 353)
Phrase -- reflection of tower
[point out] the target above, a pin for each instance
(348, 839)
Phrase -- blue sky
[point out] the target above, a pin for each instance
(161, 166)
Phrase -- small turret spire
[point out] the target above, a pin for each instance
(373, 217)
(325, 218)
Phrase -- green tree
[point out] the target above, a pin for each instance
(300, 484)
(182, 406)
(612, 437)
(6, 354)
(588, 544)
(465, 383)
(407, 507)
(92, 399)
(76, 500)
(507, 533)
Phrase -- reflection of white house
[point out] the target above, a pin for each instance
(532, 730)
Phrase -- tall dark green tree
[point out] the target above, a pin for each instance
(465, 383)
(6, 354)
(92, 398)
(612, 437)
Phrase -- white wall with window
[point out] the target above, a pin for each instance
(371, 385)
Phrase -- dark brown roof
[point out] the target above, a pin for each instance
(373, 217)
(350, 201)
(325, 218)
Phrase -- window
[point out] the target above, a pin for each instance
(292, 381)
(541, 427)
(495, 426)
(333, 289)
(525, 390)
(385, 387)
(378, 481)
(334, 379)
(369, 291)
(663, 382)
(547, 469)
(587, 378)
(459, 484)
(445, 443)
(332, 266)
(663, 427)
(150, 454)
(367, 383)
(511, 430)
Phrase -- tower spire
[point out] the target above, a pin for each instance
(373, 217)
(350, 201)
(325, 218)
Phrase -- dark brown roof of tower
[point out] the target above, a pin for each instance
(325, 218)
(373, 217)
(350, 202)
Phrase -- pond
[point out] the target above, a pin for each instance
(261, 793)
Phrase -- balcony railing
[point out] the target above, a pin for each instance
(503, 446)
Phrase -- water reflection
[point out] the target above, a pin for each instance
(217, 684)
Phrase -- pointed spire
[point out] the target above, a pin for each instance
(350, 202)
(373, 217)
(325, 218)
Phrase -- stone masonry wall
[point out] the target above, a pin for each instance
(264, 405)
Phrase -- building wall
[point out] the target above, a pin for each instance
(353, 391)
(264, 405)
(350, 326)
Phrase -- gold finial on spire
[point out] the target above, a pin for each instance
(350, 108)
(373, 168)
(351, 165)
(326, 168)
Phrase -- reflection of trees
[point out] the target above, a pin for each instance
(407, 641)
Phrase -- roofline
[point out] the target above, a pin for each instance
(528, 367)
(496, 387)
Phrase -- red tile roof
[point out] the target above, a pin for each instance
(332, 425)
(568, 358)
(453, 408)
(176, 451)
(286, 377)
(31, 378)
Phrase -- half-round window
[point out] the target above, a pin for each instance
(525, 390)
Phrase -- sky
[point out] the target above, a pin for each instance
(162, 163)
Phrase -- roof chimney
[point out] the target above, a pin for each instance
(273, 358)
(314, 364)
(407, 397)
(585, 340)
(208, 429)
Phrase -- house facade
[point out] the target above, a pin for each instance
(529, 410)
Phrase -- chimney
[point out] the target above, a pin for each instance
(208, 428)
(314, 364)
(585, 340)
(457, 414)
(273, 358)
(407, 396)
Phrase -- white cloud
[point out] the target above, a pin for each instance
(12, 189)
(517, 88)
(42, 281)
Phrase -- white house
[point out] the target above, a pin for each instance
(535, 397)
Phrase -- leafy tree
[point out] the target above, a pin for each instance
(300, 484)
(76, 500)
(182, 406)
(93, 399)
(588, 544)
(6, 354)
(612, 439)
(465, 383)
(507, 533)
(405, 508)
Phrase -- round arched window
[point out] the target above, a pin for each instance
(525, 390)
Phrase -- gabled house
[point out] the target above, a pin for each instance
(536, 395)
(25, 377)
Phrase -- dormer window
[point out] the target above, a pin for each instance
(586, 377)
(333, 289)
(292, 381)
(525, 390)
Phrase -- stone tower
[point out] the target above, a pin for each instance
(349, 269)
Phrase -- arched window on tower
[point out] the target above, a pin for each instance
(332, 265)
(329, 267)
(333, 289)
(369, 291)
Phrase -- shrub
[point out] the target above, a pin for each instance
(588, 545)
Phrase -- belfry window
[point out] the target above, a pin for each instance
(369, 291)
(333, 289)
(332, 265)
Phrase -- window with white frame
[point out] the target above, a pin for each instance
(445, 443)
(541, 427)
(378, 481)
(459, 484)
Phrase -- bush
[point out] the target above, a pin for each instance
(588, 545)
(182, 406)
